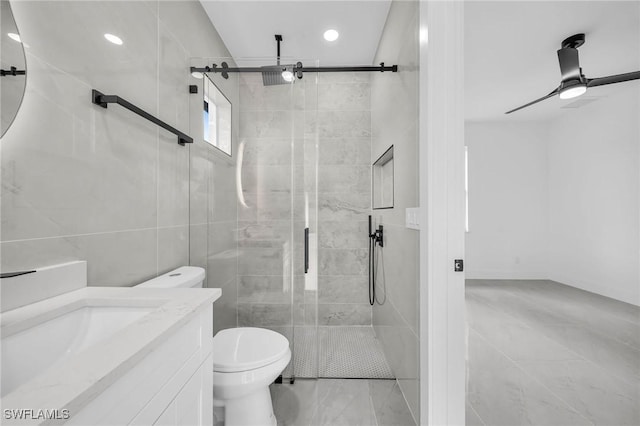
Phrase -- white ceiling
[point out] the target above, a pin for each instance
(510, 53)
(248, 28)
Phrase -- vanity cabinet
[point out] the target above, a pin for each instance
(172, 385)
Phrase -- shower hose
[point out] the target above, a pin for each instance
(372, 269)
(375, 238)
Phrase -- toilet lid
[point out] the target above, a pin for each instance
(247, 348)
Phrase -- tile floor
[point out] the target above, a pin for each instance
(335, 402)
(542, 353)
(345, 353)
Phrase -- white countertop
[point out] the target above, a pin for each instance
(78, 380)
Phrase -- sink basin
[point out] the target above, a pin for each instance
(95, 348)
(30, 349)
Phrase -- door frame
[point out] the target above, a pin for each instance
(441, 159)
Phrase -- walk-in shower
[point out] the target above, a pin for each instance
(303, 168)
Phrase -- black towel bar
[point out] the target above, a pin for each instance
(102, 100)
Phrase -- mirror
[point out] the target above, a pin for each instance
(383, 181)
(217, 117)
(13, 65)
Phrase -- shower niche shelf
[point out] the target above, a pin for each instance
(382, 181)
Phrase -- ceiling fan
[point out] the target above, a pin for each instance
(574, 83)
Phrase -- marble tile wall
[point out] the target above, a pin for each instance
(343, 123)
(320, 123)
(394, 105)
(82, 182)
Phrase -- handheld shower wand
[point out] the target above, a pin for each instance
(375, 238)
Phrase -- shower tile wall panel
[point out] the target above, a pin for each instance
(343, 125)
(394, 100)
(106, 186)
(284, 129)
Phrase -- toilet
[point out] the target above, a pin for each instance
(246, 360)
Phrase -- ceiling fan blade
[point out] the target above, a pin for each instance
(569, 63)
(555, 92)
(618, 78)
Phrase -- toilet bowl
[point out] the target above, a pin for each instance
(246, 360)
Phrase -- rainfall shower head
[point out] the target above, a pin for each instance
(277, 74)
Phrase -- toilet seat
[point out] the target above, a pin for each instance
(247, 348)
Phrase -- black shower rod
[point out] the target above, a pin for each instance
(297, 69)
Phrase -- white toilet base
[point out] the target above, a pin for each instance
(242, 398)
(254, 409)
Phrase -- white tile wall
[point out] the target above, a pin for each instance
(82, 182)
(394, 104)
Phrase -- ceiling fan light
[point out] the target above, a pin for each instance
(573, 91)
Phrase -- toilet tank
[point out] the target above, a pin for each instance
(184, 276)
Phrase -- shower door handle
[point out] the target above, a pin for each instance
(306, 250)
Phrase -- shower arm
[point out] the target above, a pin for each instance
(278, 40)
(224, 69)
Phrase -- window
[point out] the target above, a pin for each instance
(216, 117)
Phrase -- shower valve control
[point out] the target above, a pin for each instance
(378, 236)
(458, 265)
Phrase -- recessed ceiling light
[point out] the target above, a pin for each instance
(113, 39)
(14, 36)
(331, 35)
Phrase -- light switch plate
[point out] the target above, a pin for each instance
(412, 217)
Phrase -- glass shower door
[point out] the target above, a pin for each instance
(265, 210)
(305, 223)
(276, 216)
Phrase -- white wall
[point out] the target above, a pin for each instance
(80, 182)
(508, 224)
(593, 197)
(559, 199)
(394, 120)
